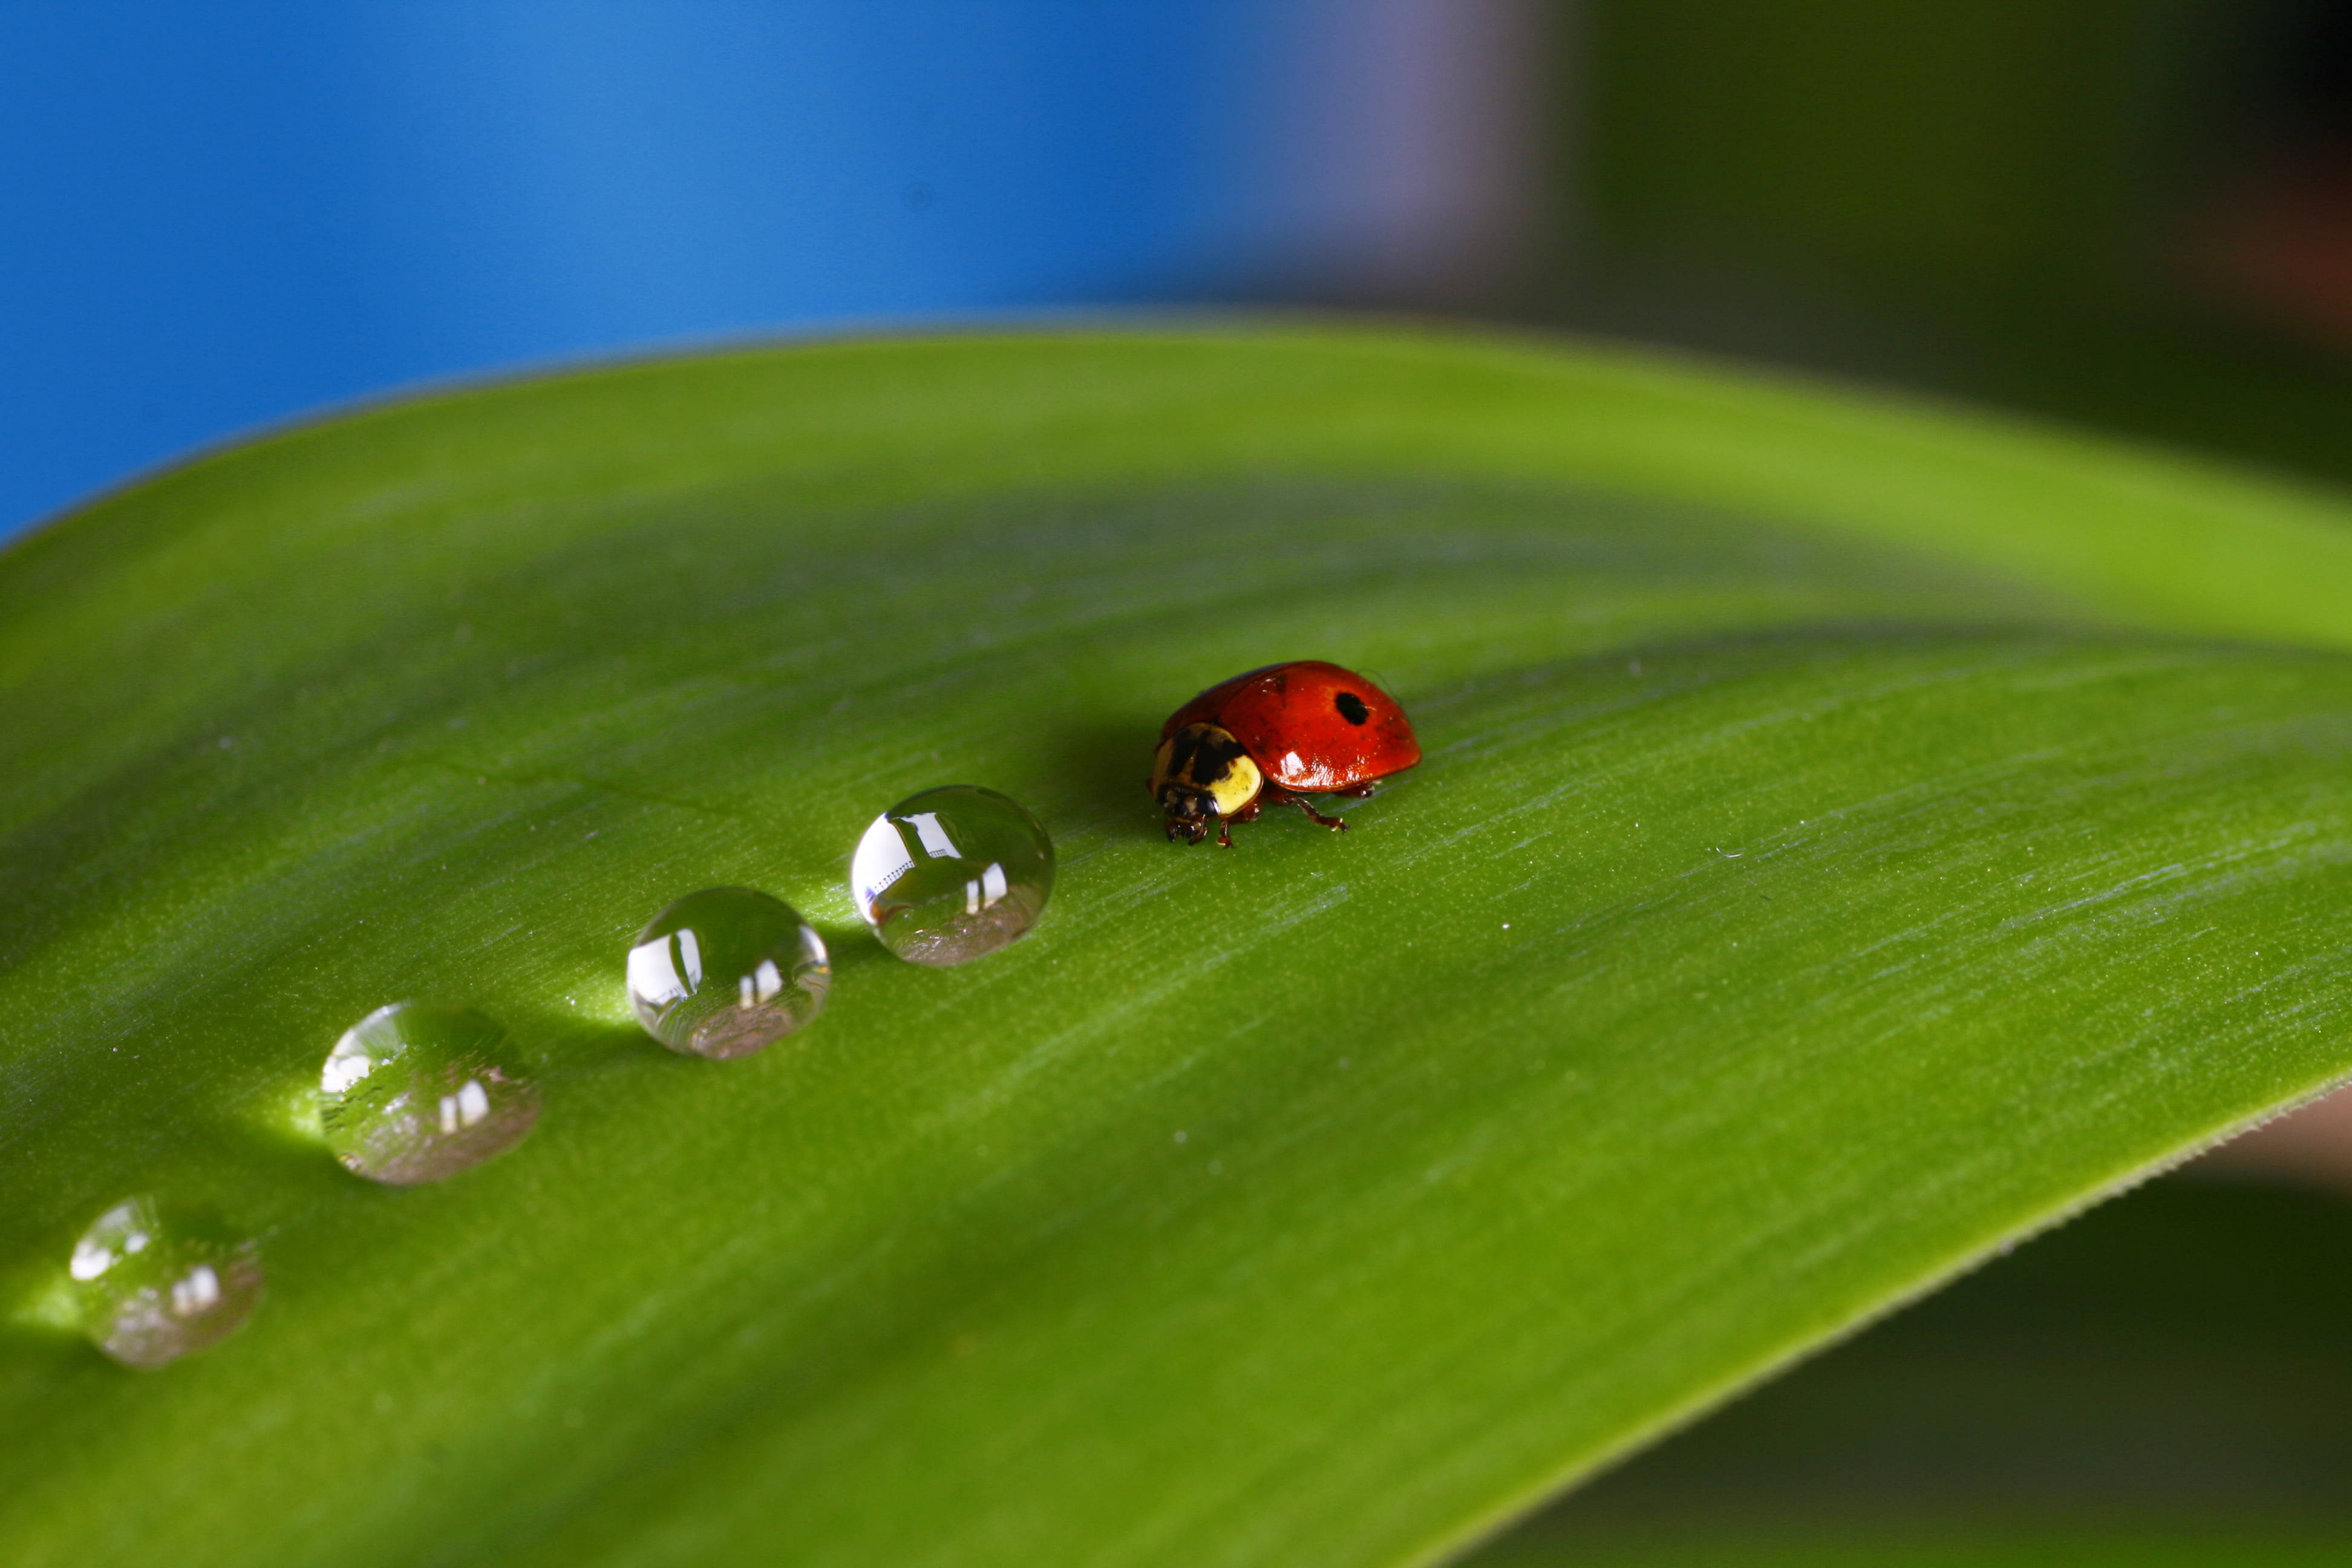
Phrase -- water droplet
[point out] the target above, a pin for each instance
(949, 875)
(155, 1285)
(416, 1094)
(726, 972)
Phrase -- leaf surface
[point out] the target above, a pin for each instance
(1850, 836)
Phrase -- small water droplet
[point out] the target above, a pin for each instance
(726, 972)
(155, 1284)
(416, 1094)
(952, 874)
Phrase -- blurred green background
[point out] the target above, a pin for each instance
(2135, 218)
(2134, 214)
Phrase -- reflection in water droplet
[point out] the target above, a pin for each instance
(155, 1285)
(414, 1094)
(951, 874)
(726, 972)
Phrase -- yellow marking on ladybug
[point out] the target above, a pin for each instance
(1201, 771)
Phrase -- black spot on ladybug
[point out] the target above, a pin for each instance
(1185, 761)
(1352, 708)
(1201, 755)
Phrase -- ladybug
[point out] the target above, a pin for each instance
(1274, 737)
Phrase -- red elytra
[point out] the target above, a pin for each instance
(1271, 737)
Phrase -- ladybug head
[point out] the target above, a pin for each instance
(1202, 773)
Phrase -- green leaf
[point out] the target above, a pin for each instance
(1850, 837)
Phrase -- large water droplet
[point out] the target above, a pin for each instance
(414, 1094)
(951, 874)
(155, 1285)
(726, 972)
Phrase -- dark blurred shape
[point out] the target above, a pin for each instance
(2172, 1367)
(2129, 214)
(1947, 147)
(2282, 234)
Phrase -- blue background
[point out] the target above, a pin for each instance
(218, 217)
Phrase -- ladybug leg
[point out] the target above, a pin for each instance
(1333, 823)
(1288, 798)
(1225, 833)
(1364, 791)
